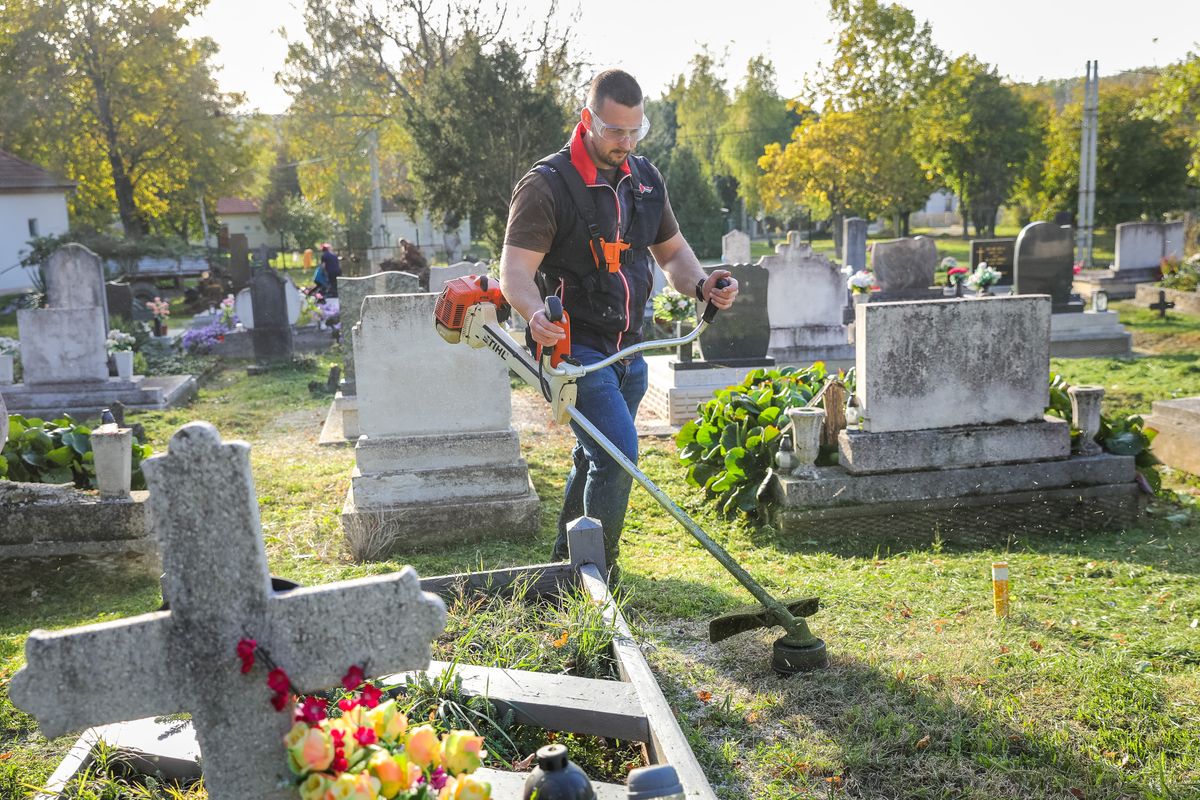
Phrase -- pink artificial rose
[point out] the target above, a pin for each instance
(462, 751)
(354, 786)
(423, 747)
(309, 749)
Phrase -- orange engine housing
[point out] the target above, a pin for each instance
(462, 293)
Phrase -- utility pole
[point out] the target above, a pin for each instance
(1084, 233)
(379, 234)
(204, 223)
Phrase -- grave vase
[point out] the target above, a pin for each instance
(806, 439)
(6, 370)
(124, 362)
(160, 326)
(111, 449)
(1085, 415)
(983, 291)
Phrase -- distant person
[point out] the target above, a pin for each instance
(332, 268)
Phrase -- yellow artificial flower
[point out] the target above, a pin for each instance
(388, 721)
(351, 786)
(465, 787)
(423, 747)
(315, 786)
(309, 749)
(395, 772)
(462, 751)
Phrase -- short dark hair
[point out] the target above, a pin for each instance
(614, 84)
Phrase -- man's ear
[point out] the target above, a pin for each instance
(585, 115)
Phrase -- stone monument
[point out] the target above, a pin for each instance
(735, 247)
(805, 304)
(854, 244)
(341, 423)
(271, 335)
(239, 261)
(75, 279)
(219, 592)
(440, 276)
(904, 269)
(951, 433)
(437, 460)
(1140, 248)
(999, 255)
(1178, 424)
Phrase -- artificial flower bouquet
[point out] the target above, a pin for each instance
(159, 308)
(955, 275)
(119, 341)
(983, 277)
(370, 752)
(671, 306)
(228, 312)
(861, 282)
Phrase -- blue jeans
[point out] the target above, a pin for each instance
(597, 486)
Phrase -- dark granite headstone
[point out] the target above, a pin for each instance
(741, 334)
(1045, 264)
(854, 243)
(904, 270)
(239, 261)
(120, 299)
(999, 255)
(272, 335)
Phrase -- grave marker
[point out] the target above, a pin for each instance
(75, 279)
(239, 260)
(351, 292)
(272, 332)
(735, 247)
(854, 243)
(805, 303)
(216, 581)
(742, 334)
(999, 255)
(1044, 264)
(1163, 305)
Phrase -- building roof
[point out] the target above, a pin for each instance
(236, 205)
(17, 174)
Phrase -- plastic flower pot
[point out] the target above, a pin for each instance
(124, 361)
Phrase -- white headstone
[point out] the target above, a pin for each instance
(735, 247)
(75, 279)
(440, 276)
(244, 308)
(351, 292)
(63, 345)
(944, 363)
(1144, 245)
(805, 303)
(205, 512)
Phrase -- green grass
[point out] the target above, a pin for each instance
(1091, 688)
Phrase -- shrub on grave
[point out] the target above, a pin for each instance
(731, 447)
(57, 451)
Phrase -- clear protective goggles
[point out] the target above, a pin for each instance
(611, 133)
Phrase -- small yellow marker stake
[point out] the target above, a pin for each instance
(1000, 587)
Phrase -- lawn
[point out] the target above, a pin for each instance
(1091, 689)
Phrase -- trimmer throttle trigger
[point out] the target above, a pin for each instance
(557, 315)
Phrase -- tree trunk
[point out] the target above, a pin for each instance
(837, 235)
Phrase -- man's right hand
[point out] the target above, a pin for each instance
(543, 331)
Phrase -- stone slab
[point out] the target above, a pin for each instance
(1090, 334)
(142, 394)
(863, 453)
(735, 247)
(410, 453)
(1185, 302)
(63, 346)
(943, 364)
(1178, 424)
(1117, 285)
(305, 339)
(397, 487)
(74, 278)
(1144, 245)
(341, 421)
(674, 394)
(1042, 511)
(834, 486)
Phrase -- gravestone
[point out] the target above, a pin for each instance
(440, 276)
(999, 255)
(1144, 245)
(805, 303)
(119, 298)
(904, 269)
(1045, 264)
(735, 247)
(239, 260)
(65, 346)
(272, 332)
(243, 304)
(218, 587)
(1178, 424)
(3, 422)
(854, 243)
(75, 279)
(437, 460)
(351, 292)
(741, 335)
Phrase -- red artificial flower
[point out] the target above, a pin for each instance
(957, 271)
(353, 678)
(337, 735)
(370, 696)
(279, 700)
(245, 651)
(347, 704)
(340, 764)
(277, 679)
(365, 736)
(311, 710)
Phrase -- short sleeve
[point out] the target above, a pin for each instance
(531, 219)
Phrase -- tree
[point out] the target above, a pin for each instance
(109, 94)
(823, 169)
(758, 116)
(1141, 162)
(1176, 99)
(283, 187)
(695, 203)
(659, 144)
(975, 138)
(700, 107)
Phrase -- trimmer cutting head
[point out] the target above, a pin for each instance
(788, 655)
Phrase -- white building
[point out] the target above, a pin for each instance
(240, 215)
(33, 202)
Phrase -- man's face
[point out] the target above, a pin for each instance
(609, 129)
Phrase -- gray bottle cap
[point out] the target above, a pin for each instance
(659, 780)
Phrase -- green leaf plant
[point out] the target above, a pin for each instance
(57, 451)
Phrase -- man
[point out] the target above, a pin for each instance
(332, 269)
(583, 225)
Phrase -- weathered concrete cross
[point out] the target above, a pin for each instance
(205, 514)
(1162, 305)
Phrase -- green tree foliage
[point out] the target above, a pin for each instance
(975, 138)
(660, 142)
(701, 103)
(1176, 99)
(1141, 162)
(283, 186)
(695, 203)
(109, 94)
(758, 116)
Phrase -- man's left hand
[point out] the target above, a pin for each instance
(721, 298)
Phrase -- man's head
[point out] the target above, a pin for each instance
(614, 116)
(325, 246)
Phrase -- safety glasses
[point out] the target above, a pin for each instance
(611, 133)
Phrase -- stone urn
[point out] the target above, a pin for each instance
(123, 359)
(806, 439)
(1085, 415)
(6, 370)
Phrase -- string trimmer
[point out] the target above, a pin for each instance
(471, 309)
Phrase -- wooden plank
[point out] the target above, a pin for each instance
(546, 579)
(667, 743)
(554, 702)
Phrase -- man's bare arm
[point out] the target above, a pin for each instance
(683, 270)
(518, 267)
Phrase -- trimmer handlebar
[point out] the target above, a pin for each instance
(710, 311)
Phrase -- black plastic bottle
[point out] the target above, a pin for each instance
(556, 777)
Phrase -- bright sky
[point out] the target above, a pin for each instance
(1026, 39)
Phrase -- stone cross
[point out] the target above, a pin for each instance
(218, 587)
(1162, 305)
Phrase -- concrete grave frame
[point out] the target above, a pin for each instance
(633, 708)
